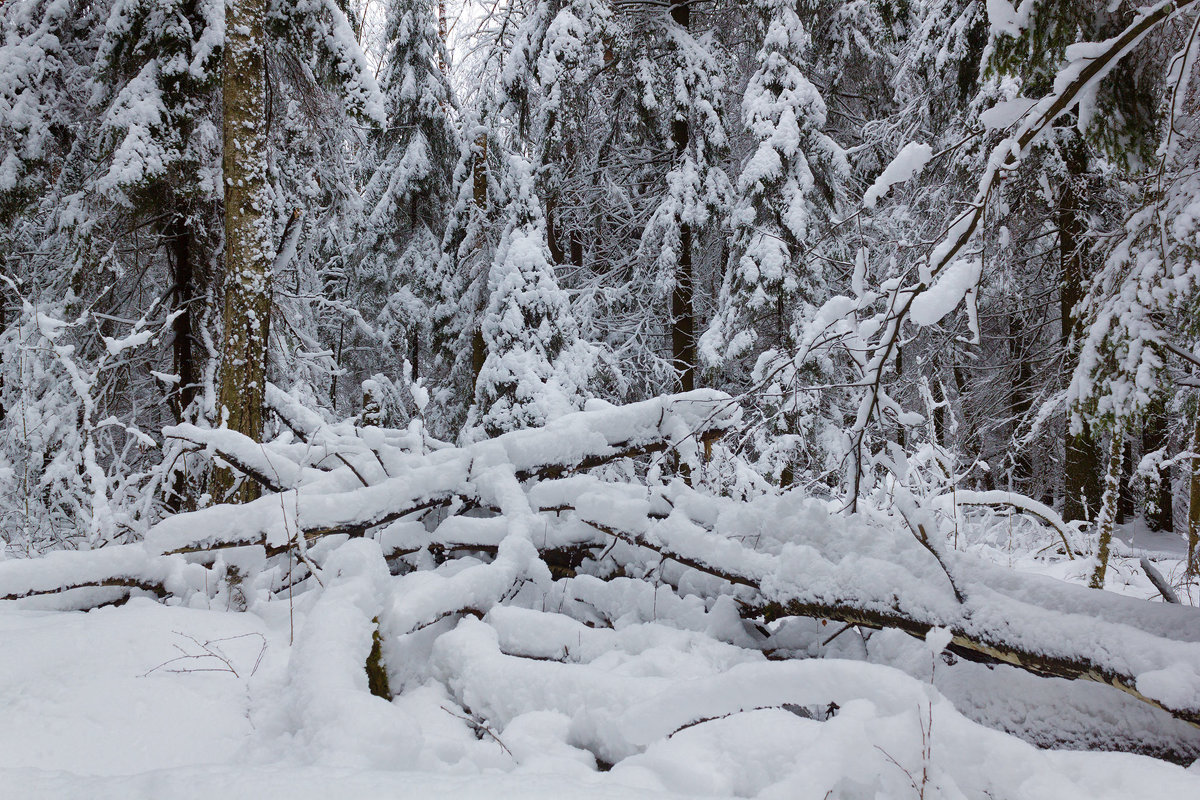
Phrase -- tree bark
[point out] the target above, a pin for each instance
(184, 282)
(479, 190)
(683, 321)
(1019, 403)
(1081, 460)
(1159, 511)
(248, 247)
(1108, 507)
(1125, 507)
(939, 411)
(441, 20)
(1193, 559)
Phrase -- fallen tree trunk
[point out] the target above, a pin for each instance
(156, 589)
(987, 626)
(574, 443)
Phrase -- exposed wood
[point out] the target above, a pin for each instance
(156, 589)
(1160, 583)
(974, 646)
(970, 640)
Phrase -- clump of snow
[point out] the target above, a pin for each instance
(911, 159)
(938, 639)
(956, 280)
(1005, 113)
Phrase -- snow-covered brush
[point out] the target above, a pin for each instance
(520, 521)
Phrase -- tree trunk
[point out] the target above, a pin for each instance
(183, 350)
(576, 242)
(558, 256)
(248, 247)
(479, 190)
(1081, 467)
(478, 356)
(683, 320)
(1193, 559)
(441, 19)
(970, 437)
(3, 324)
(939, 410)
(1108, 507)
(1125, 507)
(1159, 512)
(1019, 403)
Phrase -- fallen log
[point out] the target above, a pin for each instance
(988, 625)
(573, 443)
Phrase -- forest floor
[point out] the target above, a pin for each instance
(91, 712)
(147, 700)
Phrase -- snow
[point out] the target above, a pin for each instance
(629, 675)
(911, 159)
(1005, 113)
(553, 619)
(955, 282)
(1005, 19)
(79, 694)
(89, 715)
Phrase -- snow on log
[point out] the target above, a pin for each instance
(126, 566)
(808, 562)
(574, 442)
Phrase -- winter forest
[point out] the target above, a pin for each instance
(600, 399)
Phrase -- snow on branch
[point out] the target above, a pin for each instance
(572, 443)
(1088, 64)
(750, 561)
(815, 565)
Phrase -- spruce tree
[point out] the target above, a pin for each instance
(535, 367)
(407, 197)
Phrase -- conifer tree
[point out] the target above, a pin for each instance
(688, 111)
(408, 194)
(784, 195)
(535, 367)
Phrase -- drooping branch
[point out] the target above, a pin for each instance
(1025, 505)
(1071, 85)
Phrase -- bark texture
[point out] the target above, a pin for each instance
(1081, 484)
(248, 250)
(683, 318)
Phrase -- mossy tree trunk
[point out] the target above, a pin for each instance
(1108, 506)
(1159, 512)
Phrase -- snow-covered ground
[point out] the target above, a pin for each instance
(89, 711)
(95, 707)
